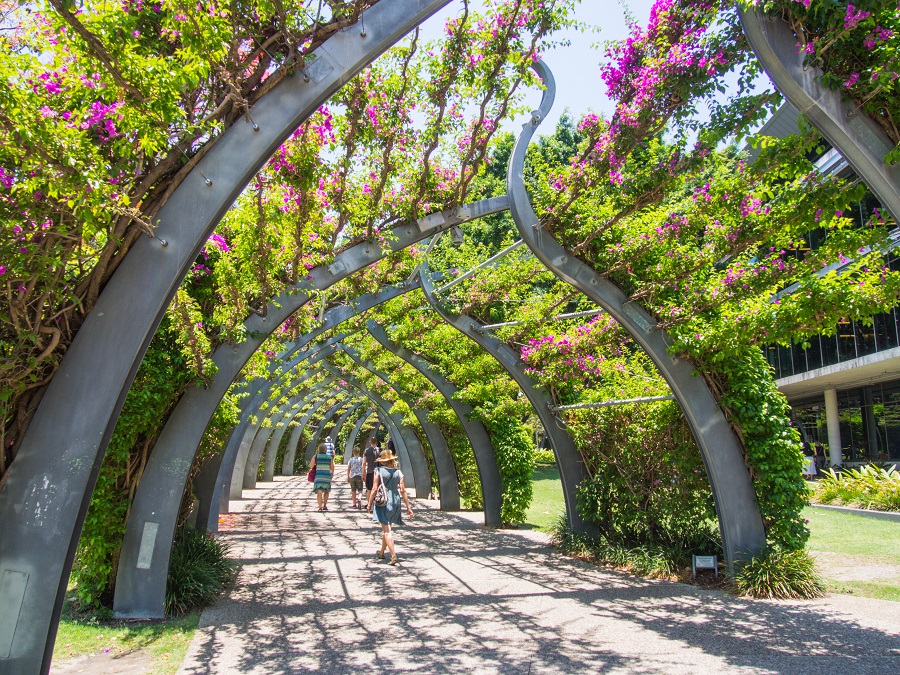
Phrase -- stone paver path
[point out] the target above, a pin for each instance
(309, 597)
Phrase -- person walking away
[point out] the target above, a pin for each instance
(389, 515)
(369, 457)
(355, 477)
(329, 446)
(324, 465)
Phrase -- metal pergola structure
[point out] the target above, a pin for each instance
(45, 498)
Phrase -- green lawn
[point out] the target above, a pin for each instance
(165, 641)
(837, 532)
(846, 546)
(547, 503)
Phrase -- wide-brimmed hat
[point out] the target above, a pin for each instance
(386, 456)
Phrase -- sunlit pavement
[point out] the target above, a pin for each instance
(310, 597)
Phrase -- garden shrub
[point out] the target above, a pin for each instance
(647, 560)
(199, 570)
(780, 575)
(869, 487)
(543, 456)
(647, 484)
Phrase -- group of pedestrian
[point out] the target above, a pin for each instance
(367, 470)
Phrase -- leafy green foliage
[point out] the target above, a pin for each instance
(198, 571)
(650, 561)
(857, 46)
(160, 379)
(869, 487)
(780, 575)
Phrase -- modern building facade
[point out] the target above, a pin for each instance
(844, 389)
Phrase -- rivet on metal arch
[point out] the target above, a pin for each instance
(48, 488)
(740, 522)
(483, 449)
(568, 458)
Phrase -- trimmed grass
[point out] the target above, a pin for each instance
(846, 545)
(548, 502)
(165, 641)
(866, 589)
(835, 532)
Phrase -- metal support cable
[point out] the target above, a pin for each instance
(490, 261)
(560, 317)
(607, 404)
(434, 240)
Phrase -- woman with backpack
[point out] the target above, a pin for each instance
(385, 497)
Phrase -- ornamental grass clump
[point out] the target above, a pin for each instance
(198, 571)
(780, 575)
(647, 561)
(869, 487)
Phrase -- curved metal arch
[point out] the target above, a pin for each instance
(342, 420)
(320, 428)
(419, 468)
(238, 449)
(859, 139)
(395, 425)
(48, 488)
(351, 438)
(568, 458)
(287, 466)
(485, 455)
(169, 464)
(271, 452)
(147, 546)
(250, 469)
(237, 468)
(295, 350)
(740, 522)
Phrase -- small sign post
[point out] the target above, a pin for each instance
(706, 562)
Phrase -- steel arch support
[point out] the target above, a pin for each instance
(255, 458)
(147, 546)
(320, 429)
(341, 422)
(448, 479)
(394, 422)
(351, 439)
(46, 495)
(743, 533)
(421, 473)
(272, 450)
(169, 464)
(483, 449)
(238, 466)
(568, 458)
(859, 139)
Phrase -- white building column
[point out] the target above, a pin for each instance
(834, 427)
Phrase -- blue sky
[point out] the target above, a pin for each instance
(575, 67)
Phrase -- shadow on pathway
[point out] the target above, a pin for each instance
(310, 597)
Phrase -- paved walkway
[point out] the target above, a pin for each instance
(309, 596)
